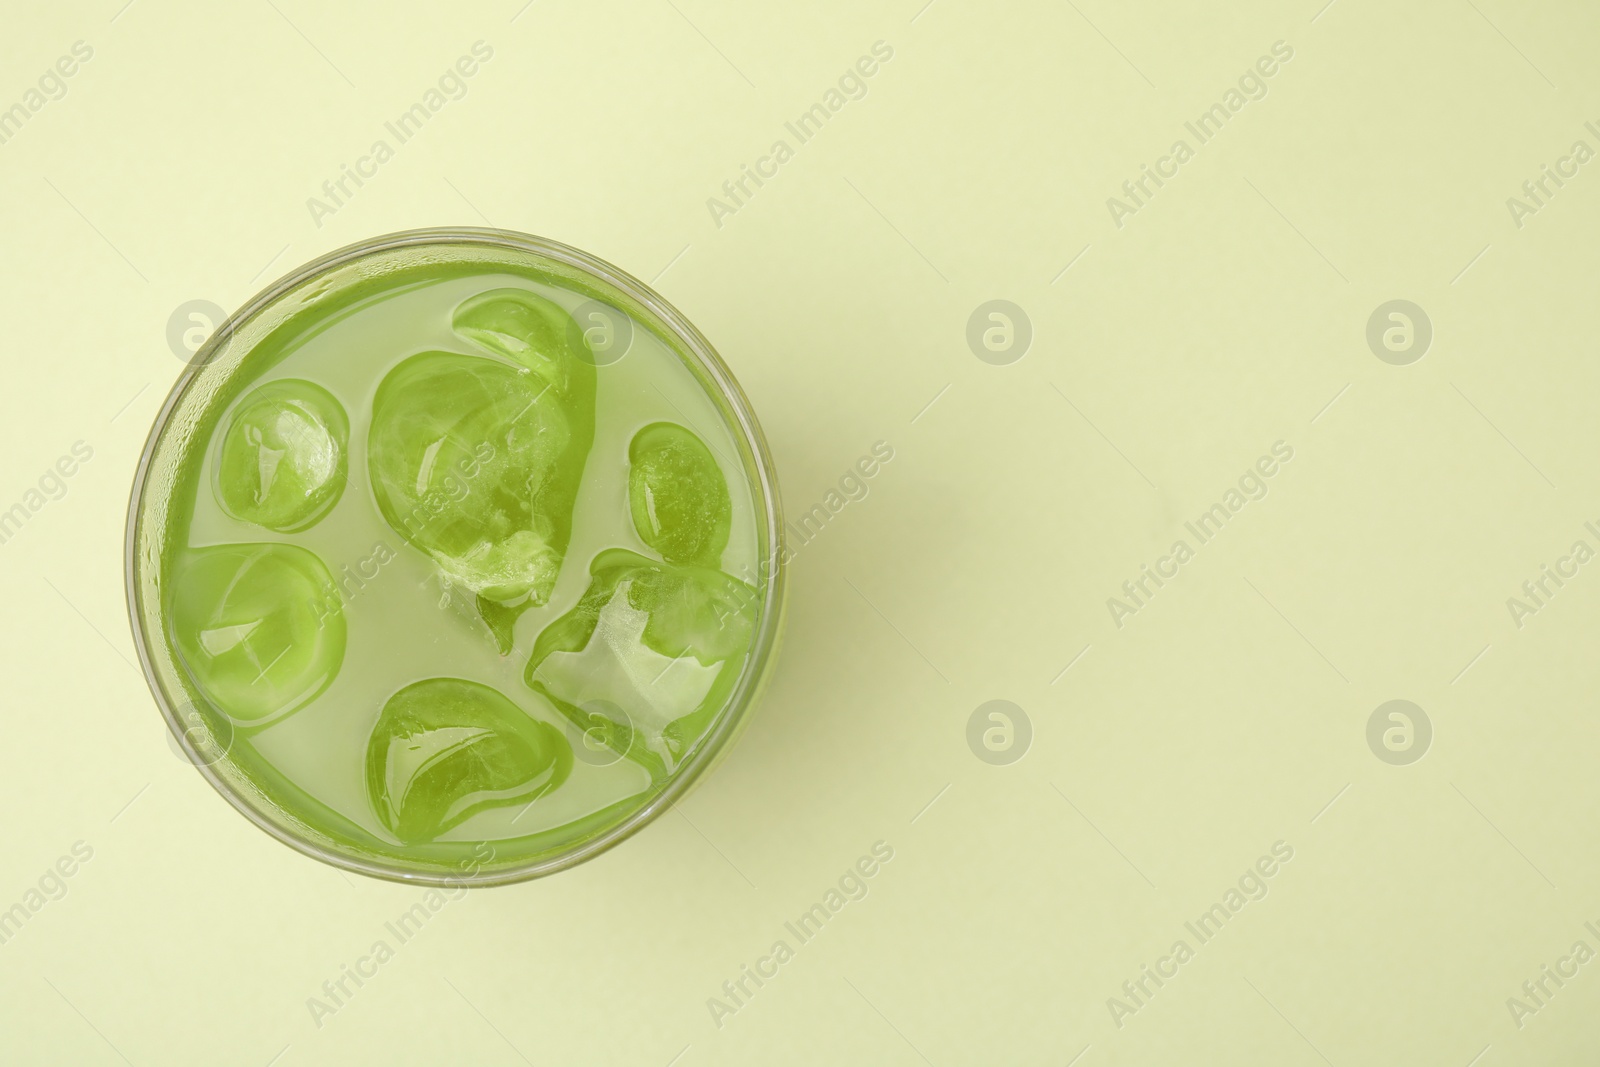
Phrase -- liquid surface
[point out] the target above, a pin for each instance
(456, 572)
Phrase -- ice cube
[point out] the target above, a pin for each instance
(678, 496)
(664, 642)
(259, 627)
(282, 464)
(477, 461)
(446, 748)
(533, 332)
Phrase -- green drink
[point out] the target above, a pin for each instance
(455, 556)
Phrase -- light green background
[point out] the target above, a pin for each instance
(1228, 714)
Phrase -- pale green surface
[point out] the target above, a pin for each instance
(1194, 338)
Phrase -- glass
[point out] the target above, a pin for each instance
(199, 429)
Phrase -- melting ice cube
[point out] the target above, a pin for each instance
(678, 496)
(259, 626)
(664, 642)
(477, 460)
(446, 748)
(282, 464)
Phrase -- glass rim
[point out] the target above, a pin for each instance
(769, 511)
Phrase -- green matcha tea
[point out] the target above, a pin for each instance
(458, 563)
